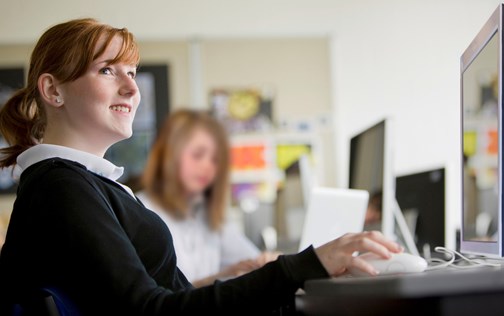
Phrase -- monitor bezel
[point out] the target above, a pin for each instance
(420, 176)
(492, 26)
(388, 177)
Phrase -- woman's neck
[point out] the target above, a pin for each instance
(68, 138)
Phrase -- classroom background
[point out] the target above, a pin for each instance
(288, 78)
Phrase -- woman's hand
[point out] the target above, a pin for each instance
(239, 268)
(267, 256)
(228, 272)
(245, 266)
(337, 256)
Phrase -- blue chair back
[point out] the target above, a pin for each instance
(49, 302)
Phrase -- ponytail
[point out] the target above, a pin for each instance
(22, 124)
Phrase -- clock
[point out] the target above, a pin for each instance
(243, 105)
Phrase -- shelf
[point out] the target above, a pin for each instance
(272, 175)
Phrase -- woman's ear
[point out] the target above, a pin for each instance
(49, 90)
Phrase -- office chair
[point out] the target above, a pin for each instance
(47, 302)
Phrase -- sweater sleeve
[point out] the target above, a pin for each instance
(93, 251)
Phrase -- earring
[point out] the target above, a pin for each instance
(58, 100)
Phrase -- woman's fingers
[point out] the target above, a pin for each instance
(247, 265)
(373, 242)
(266, 257)
(337, 255)
(358, 263)
(382, 240)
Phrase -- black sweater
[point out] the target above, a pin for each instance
(85, 235)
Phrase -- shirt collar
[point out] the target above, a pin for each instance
(196, 204)
(41, 152)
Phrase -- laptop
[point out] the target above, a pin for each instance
(332, 213)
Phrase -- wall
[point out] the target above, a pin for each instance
(294, 70)
(285, 66)
(389, 58)
(175, 54)
(402, 61)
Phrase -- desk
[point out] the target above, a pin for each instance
(448, 291)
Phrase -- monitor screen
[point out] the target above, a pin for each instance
(481, 111)
(421, 197)
(371, 170)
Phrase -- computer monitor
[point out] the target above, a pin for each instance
(371, 170)
(481, 126)
(371, 154)
(421, 196)
(308, 178)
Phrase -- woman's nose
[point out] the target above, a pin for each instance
(210, 165)
(128, 86)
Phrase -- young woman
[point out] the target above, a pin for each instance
(74, 228)
(185, 181)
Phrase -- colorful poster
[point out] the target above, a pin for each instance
(290, 153)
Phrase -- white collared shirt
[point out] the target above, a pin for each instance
(93, 163)
(201, 251)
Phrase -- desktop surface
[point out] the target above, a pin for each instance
(446, 291)
(428, 283)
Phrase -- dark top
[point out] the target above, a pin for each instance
(85, 235)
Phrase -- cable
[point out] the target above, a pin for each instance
(436, 263)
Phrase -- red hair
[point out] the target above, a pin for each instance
(65, 50)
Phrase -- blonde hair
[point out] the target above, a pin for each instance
(66, 51)
(160, 178)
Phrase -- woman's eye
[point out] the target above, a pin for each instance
(197, 155)
(132, 74)
(106, 71)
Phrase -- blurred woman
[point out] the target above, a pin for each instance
(186, 184)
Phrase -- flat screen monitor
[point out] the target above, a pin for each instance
(421, 196)
(481, 154)
(307, 177)
(371, 170)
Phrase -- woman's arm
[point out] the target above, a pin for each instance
(98, 262)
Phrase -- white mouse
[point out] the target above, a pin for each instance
(398, 263)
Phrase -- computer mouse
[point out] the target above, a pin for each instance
(398, 263)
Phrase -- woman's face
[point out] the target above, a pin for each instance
(101, 104)
(198, 162)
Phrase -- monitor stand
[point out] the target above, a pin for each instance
(406, 235)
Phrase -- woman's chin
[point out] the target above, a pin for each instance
(124, 135)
